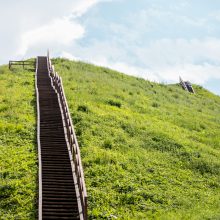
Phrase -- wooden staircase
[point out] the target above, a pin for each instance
(59, 196)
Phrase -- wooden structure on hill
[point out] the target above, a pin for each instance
(22, 63)
(186, 85)
(62, 190)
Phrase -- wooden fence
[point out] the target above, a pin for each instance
(71, 137)
(21, 63)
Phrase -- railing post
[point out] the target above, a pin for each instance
(86, 208)
(48, 54)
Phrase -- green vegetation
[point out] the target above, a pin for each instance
(149, 151)
(18, 167)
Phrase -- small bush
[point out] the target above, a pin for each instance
(2, 71)
(76, 118)
(83, 108)
(205, 167)
(26, 83)
(123, 188)
(165, 144)
(176, 96)
(114, 103)
(107, 144)
(129, 128)
(202, 126)
(155, 105)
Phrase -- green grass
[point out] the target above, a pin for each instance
(18, 162)
(149, 151)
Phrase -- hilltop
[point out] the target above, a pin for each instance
(149, 150)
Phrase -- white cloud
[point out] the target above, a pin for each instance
(199, 74)
(59, 31)
(196, 60)
(128, 69)
(82, 6)
(119, 66)
(137, 52)
(68, 56)
(215, 15)
(28, 29)
(161, 60)
(158, 42)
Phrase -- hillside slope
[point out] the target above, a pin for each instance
(18, 156)
(149, 150)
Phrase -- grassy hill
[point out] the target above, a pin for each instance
(18, 157)
(149, 151)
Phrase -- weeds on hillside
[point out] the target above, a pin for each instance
(150, 151)
(18, 166)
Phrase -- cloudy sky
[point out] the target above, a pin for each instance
(154, 39)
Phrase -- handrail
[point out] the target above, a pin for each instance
(71, 137)
(21, 63)
(39, 148)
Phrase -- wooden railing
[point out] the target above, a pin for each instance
(71, 138)
(21, 63)
(39, 148)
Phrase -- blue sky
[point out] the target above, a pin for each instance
(154, 39)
